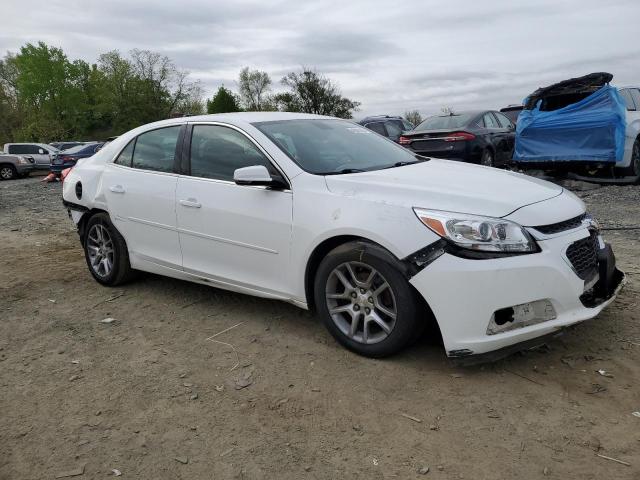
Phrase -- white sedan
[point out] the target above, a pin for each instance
(328, 215)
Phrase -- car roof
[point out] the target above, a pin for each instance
(381, 117)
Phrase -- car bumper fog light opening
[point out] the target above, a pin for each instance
(520, 316)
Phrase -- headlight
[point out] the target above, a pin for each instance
(22, 161)
(486, 234)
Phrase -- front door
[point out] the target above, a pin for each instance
(140, 188)
(232, 234)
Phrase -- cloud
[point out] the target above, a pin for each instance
(390, 57)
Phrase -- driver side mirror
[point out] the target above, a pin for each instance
(258, 175)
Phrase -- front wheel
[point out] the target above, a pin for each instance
(106, 251)
(634, 168)
(364, 300)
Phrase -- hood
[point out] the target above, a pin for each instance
(446, 185)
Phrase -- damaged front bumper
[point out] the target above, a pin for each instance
(541, 291)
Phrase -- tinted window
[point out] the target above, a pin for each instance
(377, 127)
(628, 101)
(502, 120)
(17, 149)
(489, 121)
(332, 146)
(445, 121)
(155, 150)
(217, 152)
(126, 155)
(394, 129)
(635, 93)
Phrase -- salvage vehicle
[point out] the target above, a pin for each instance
(41, 153)
(69, 158)
(387, 125)
(484, 137)
(15, 166)
(583, 125)
(325, 214)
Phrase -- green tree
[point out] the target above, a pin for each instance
(223, 101)
(254, 89)
(50, 91)
(312, 92)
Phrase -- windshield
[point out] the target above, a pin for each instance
(446, 121)
(325, 147)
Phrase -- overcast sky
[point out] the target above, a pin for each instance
(390, 56)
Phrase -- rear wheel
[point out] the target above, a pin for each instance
(8, 172)
(364, 300)
(487, 158)
(106, 251)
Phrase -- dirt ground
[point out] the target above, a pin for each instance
(151, 396)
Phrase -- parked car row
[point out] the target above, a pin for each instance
(582, 125)
(20, 159)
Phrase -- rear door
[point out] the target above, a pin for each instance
(232, 234)
(497, 136)
(140, 187)
(508, 136)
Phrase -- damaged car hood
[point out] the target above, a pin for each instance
(446, 185)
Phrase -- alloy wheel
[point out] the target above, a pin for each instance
(361, 302)
(6, 173)
(100, 250)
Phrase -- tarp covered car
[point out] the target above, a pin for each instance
(577, 120)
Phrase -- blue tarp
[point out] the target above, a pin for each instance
(592, 129)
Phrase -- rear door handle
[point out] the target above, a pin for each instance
(117, 188)
(190, 203)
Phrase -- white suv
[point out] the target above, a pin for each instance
(325, 214)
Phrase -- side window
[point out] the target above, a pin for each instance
(217, 152)
(628, 101)
(407, 126)
(377, 127)
(126, 155)
(15, 149)
(635, 94)
(503, 120)
(393, 129)
(155, 150)
(489, 121)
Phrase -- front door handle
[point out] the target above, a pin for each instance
(190, 203)
(117, 188)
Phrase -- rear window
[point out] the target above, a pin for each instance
(445, 122)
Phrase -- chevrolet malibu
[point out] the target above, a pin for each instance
(325, 214)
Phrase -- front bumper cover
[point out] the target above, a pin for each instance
(464, 294)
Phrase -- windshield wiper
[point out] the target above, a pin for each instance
(402, 164)
(344, 170)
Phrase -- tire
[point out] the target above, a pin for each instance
(633, 170)
(487, 158)
(357, 321)
(106, 252)
(8, 172)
